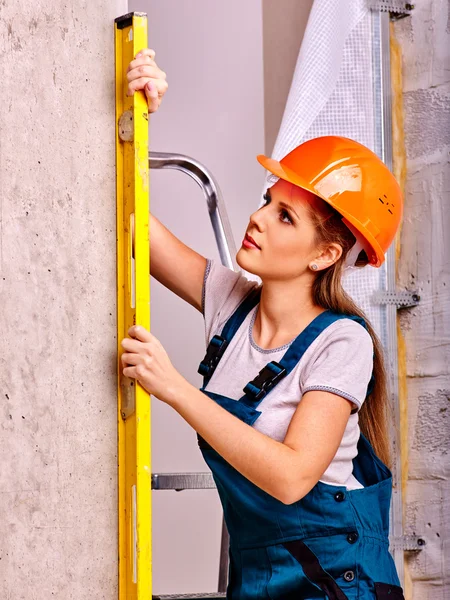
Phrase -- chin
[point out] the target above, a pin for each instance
(245, 263)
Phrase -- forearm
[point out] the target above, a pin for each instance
(271, 465)
(176, 266)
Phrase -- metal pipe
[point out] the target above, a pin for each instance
(210, 187)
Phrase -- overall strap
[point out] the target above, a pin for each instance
(371, 384)
(219, 343)
(274, 372)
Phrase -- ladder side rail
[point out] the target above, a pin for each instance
(227, 251)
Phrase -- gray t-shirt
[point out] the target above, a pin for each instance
(340, 361)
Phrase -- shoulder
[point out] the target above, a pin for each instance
(340, 360)
(343, 334)
(224, 284)
(223, 291)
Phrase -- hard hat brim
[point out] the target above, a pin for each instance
(276, 168)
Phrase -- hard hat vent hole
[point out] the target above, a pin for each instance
(362, 259)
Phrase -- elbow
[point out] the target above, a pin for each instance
(293, 491)
(291, 498)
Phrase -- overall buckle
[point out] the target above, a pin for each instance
(267, 379)
(214, 352)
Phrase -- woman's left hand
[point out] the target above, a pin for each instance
(145, 359)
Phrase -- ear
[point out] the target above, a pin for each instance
(329, 255)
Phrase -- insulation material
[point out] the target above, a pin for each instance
(332, 94)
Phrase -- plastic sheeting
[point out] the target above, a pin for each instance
(332, 93)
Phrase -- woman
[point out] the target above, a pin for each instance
(292, 375)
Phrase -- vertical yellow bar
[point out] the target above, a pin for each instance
(133, 306)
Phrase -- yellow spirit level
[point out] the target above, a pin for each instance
(133, 306)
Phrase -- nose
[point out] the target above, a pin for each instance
(257, 219)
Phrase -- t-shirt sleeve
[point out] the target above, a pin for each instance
(342, 363)
(223, 291)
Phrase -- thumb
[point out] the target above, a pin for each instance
(151, 93)
(148, 88)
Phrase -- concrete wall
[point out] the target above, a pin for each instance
(58, 504)
(424, 266)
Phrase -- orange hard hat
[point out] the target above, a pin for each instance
(354, 181)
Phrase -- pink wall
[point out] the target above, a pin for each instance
(214, 111)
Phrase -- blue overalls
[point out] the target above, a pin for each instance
(333, 543)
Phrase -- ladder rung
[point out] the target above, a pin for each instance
(182, 481)
(213, 596)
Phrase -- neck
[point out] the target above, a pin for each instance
(285, 309)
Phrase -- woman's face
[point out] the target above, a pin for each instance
(283, 232)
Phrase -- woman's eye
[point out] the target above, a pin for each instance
(285, 215)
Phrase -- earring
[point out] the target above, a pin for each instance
(313, 267)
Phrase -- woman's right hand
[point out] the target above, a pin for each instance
(144, 74)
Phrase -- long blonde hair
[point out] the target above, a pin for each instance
(329, 294)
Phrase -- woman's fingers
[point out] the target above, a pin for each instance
(130, 345)
(147, 52)
(149, 69)
(153, 98)
(130, 359)
(144, 74)
(139, 77)
(141, 333)
(154, 94)
(146, 56)
(154, 90)
(161, 85)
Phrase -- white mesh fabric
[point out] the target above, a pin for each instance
(332, 94)
(332, 77)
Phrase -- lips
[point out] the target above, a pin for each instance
(249, 239)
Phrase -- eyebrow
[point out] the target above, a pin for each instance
(283, 204)
(288, 207)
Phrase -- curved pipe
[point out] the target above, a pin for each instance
(210, 187)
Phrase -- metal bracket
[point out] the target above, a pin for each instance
(401, 299)
(408, 543)
(396, 16)
(397, 9)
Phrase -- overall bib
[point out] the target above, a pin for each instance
(333, 543)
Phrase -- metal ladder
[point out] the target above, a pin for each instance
(227, 252)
